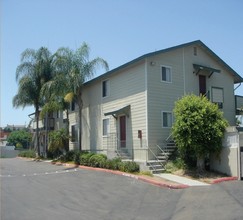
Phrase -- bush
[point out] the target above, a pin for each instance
(98, 160)
(76, 157)
(113, 164)
(70, 156)
(84, 158)
(130, 167)
(27, 153)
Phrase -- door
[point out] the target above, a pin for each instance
(202, 85)
(122, 123)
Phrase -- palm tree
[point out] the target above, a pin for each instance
(35, 69)
(78, 69)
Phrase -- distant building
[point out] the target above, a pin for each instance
(15, 127)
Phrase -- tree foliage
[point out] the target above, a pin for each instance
(75, 68)
(199, 126)
(58, 141)
(34, 70)
(19, 138)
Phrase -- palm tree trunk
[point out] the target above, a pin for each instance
(67, 129)
(37, 132)
(80, 127)
(80, 105)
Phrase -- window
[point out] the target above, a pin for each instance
(166, 119)
(106, 126)
(166, 74)
(74, 133)
(218, 96)
(105, 88)
(72, 106)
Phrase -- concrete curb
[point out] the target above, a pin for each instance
(223, 179)
(142, 178)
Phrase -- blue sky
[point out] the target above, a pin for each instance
(116, 30)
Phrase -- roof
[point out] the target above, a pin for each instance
(236, 76)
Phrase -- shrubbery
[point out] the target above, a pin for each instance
(27, 153)
(91, 159)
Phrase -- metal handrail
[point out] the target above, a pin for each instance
(168, 138)
(156, 157)
(163, 152)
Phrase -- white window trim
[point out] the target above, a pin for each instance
(108, 128)
(162, 122)
(170, 74)
(108, 88)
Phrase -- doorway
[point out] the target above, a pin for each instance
(202, 85)
(122, 122)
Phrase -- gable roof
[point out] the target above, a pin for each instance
(236, 76)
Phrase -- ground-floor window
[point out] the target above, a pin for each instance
(74, 133)
(166, 119)
(106, 126)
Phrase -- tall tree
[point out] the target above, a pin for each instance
(199, 128)
(78, 68)
(35, 69)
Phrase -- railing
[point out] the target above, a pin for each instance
(156, 157)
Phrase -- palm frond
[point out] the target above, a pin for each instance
(69, 97)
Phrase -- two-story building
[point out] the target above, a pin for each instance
(130, 108)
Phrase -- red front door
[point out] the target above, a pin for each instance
(123, 131)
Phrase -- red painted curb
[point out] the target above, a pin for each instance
(223, 179)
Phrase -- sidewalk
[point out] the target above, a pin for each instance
(181, 180)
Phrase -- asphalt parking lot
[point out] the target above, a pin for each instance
(40, 190)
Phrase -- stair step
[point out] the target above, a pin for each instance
(158, 171)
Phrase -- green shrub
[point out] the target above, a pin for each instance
(71, 155)
(27, 153)
(76, 157)
(84, 158)
(113, 164)
(130, 167)
(98, 160)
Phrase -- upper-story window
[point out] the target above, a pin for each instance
(166, 74)
(218, 96)
(105, 88)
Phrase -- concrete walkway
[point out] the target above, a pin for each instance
(181, 180)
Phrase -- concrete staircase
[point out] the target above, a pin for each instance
(124, 154)
(159, 163)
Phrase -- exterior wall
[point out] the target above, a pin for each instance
(228, 160)
(162, 95)
(126, 88)
(222, 80)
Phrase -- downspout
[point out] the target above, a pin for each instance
(146, 103)
(235, 97)
(184, 71)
